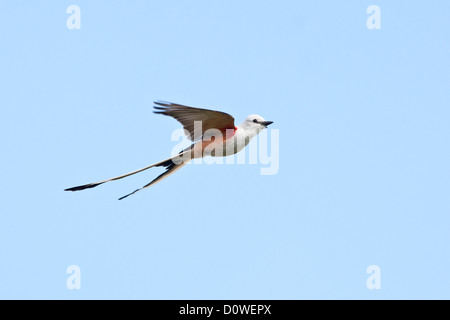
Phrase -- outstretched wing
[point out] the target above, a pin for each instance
(188, 115)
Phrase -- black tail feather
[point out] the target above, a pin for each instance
(170, 165)
(166, 163)
(129, 194)
(86, 186)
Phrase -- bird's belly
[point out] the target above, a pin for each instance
(228, 147)
(220, 147)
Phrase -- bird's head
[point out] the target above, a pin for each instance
(256, 122)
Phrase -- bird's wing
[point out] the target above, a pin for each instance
(188, 115)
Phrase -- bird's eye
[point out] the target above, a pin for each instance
(255, 121)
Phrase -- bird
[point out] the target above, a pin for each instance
(213, 133)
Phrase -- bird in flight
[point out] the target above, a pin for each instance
(212, 133)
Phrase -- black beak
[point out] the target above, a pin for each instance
(266, 123)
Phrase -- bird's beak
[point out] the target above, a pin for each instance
(266, 123)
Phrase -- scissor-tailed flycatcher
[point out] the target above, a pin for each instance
(213, 134)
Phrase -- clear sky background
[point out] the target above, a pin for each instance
(363, 117)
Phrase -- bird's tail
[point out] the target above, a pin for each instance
(170, 169)
(172, 164)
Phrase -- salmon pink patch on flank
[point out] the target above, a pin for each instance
(229, 133)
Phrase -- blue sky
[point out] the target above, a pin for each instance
(363, 119)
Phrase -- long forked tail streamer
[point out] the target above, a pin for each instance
(171, 169)
(170, 165)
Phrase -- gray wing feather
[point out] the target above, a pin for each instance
(188, 115)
